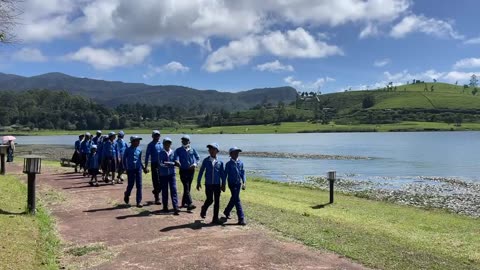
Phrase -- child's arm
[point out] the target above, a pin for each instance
(147, 155)
(200, 174)
(195, 154)
(223, 177)
(244, 177)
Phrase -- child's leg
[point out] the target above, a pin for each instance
(238, 206)
(173, 191)
(164, 183)
(216, 207)
(231, 203)
(156, 183)
(131, 182)
(138, 182)
(188, 188)
(209, 200)
(183, 179)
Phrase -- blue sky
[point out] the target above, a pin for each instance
(238, 45)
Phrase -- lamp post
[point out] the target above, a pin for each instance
(32, 166)
(332, 175)
(3, 152)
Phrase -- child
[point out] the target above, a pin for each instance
(153, 149)
(76, 158)
(167, 163)
(93, 163)
(236, 180)
(84, 151)
(132, 160)
(110, 157)
(188, 158)
(214, 182)
(121, 146)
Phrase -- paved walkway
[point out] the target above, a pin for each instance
(132, 238)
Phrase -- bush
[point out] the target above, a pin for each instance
(368, 102)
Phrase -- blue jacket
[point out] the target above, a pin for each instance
(95, 139)
(235, 173)
(100, 149)
(121, 146)
(77, 145)
(153, 149)
(93, 161)
(109, 149)
(166, 169)
(85, 147)
(186, 158)
(132, 158)
(214, 172)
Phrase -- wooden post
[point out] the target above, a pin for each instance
(332, 175)
(2, 164)
(31, 194)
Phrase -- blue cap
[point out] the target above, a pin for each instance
(99, 132)
(167, 139)
(87, 134)
(111, 134)
(155, 132)
(185, 137)
(135, 138)
(121, 133)
(213, 145)
(235, 149)
(93, 146)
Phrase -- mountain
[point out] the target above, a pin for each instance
(113, 93)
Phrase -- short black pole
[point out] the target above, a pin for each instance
(2, 164)
(31, 193)
(331, 180)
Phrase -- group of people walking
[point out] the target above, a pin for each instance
(112, 156)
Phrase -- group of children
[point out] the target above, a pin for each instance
(114, 156)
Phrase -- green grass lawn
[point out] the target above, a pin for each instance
(26, 241)
(377, 234)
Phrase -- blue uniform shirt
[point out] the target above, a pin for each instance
(85, 147)
(153, 149)
(77, 145)
(95, 139)
(109, 149)
(234, 172)
(214, 172)
(121, 146)
(93, 161)
(132, 159)
(186, 156)
(164, 156)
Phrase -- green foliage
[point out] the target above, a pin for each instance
(368, 102)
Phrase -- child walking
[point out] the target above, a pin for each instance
(188, 158)
(167, 162)
(236, 181)
(214, 182)
(93, 163)
(132, 160)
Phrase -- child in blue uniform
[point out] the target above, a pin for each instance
(110, 157)
(132, 160)
(153, 149)
(214, 182)
(167, 162)
(121, 146)
(93, 163)
(236, 179)
(84, 151)
(188, 158)
(97, 137)
(76, 158)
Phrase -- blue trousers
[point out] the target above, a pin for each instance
(157, 187)
(134, 179)
(169, 181)
(235, 202)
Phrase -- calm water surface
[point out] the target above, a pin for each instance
(400, 157)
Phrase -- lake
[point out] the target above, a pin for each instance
(395, 157)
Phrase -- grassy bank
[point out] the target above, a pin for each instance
(27, 242)
(377, 234)
(287, 127)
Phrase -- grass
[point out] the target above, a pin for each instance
(27, 242)
(376, 234)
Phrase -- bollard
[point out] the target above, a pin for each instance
(3, 152)
(32, 165)
(332, 175)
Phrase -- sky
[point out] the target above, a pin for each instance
(230, 45)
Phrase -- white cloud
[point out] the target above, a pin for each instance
(422, 24)
(472, 41)
(309, 86)
(274, 66)
(29, 55)
(369, 31)
(172, 67)
(467, 63)
(463, 77)
(296, 43)
(111, 58)
(404, 76)
(381, 62)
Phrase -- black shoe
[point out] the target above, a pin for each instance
(126, 199)
(157, 202)
(90, 183)
(216, 222)
(164, 210)
(242, 222)
(227, 216)
(176, 212)
(139, 205)
(96, 184)
(191, 207)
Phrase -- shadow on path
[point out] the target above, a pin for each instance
(3, 212)
(120, 206)
(321, 206)
(196, 225)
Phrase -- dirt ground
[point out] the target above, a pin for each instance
(98, 232)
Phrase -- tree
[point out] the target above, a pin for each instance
(368, 102)
(434, 80)
(473, 81)
(432, 89)
(9, 14)
(474, 91)
(426, 88)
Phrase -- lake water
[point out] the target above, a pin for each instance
(395, 157)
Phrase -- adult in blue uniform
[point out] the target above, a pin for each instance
(110, 157)
(84, 151)
(97, 137)
(167, 162)
(214, 182)
(188, 158)
(121, 146)
(153, 149)
(132, 160)
(236, 180)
